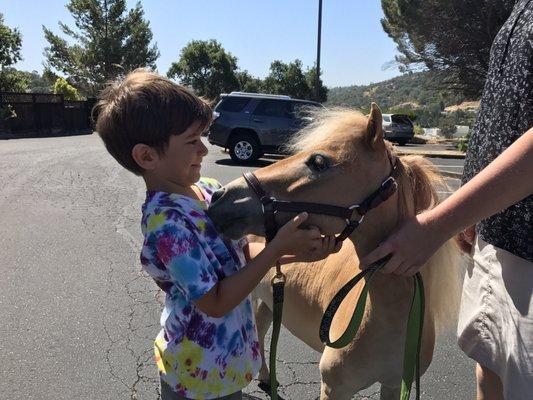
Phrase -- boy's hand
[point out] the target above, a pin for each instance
(291, 240)
(327, 247)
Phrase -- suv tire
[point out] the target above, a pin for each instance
(403, 142)
(244, 149)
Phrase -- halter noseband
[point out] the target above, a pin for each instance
(353, 215)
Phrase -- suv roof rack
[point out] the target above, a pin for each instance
(273, 96)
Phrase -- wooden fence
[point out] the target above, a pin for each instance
(43, 113)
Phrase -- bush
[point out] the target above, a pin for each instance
(68, 91)
(462, 145)
(7, 112)
(418, 130)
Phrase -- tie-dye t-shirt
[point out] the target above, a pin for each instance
(200, 357)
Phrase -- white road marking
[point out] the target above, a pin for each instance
(448, 166)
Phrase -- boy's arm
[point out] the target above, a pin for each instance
(232, 290)
(252, 249)
(329, 245)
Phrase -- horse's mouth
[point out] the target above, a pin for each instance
(232, 228)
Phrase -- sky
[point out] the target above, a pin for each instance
(355, 50)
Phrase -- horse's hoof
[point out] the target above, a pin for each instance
(265, 387)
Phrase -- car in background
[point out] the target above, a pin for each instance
(398, 128)
(249, 125)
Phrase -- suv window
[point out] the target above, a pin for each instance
(401, 119)
(232, 104)
(274, 108)
(301, 108)
(386, 118)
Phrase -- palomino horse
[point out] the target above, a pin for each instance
(340, 158)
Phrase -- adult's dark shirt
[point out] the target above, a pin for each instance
(506, 112)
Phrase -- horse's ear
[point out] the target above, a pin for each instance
(374, 128)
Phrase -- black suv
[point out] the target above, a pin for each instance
(252, 124)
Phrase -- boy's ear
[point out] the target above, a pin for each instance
(145, 156)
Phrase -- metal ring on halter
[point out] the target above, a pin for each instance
(355, 207)
(267, 200)
(278, 277)
(267, 205)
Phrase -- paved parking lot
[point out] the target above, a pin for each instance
(78, 318)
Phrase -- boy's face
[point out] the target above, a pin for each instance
(181, 162)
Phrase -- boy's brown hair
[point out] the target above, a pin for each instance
(146, 108)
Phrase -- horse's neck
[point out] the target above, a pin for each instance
(375, 230)
(321, 280)
(385, 288)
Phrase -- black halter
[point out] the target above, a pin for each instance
(353, 215)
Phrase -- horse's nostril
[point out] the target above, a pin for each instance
(217, 195)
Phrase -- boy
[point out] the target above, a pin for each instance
(207, 348)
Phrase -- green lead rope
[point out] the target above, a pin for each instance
(413, 340)
(278, 287)
(411, 361)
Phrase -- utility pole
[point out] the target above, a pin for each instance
(317, 82)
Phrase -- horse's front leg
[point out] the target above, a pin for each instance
(341, 376)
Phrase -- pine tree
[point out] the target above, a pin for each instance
(10, 44)
(452, 38)
(109, 42)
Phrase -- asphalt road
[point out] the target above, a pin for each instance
(78, 317)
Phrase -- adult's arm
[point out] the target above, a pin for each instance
(504, 182)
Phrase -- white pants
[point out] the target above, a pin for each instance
(496, 317)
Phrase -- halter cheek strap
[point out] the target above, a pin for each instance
(267, 203)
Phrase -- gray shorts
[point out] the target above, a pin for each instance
(168, 394)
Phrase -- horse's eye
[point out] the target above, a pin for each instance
(317, 163)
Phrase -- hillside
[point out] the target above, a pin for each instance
(414, 93)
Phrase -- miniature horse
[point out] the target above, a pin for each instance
(339, 159)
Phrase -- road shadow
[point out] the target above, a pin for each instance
(43, 134)
(249, 396)
(428, 146)
(256, 164)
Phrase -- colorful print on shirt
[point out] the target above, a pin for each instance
(200, 357)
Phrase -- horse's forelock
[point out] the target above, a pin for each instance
(328, 128)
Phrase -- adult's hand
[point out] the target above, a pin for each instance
(411, 246)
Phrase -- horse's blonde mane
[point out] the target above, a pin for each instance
(332, 128)
(419, 181)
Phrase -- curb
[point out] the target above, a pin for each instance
(431, 153)
(44, 134)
